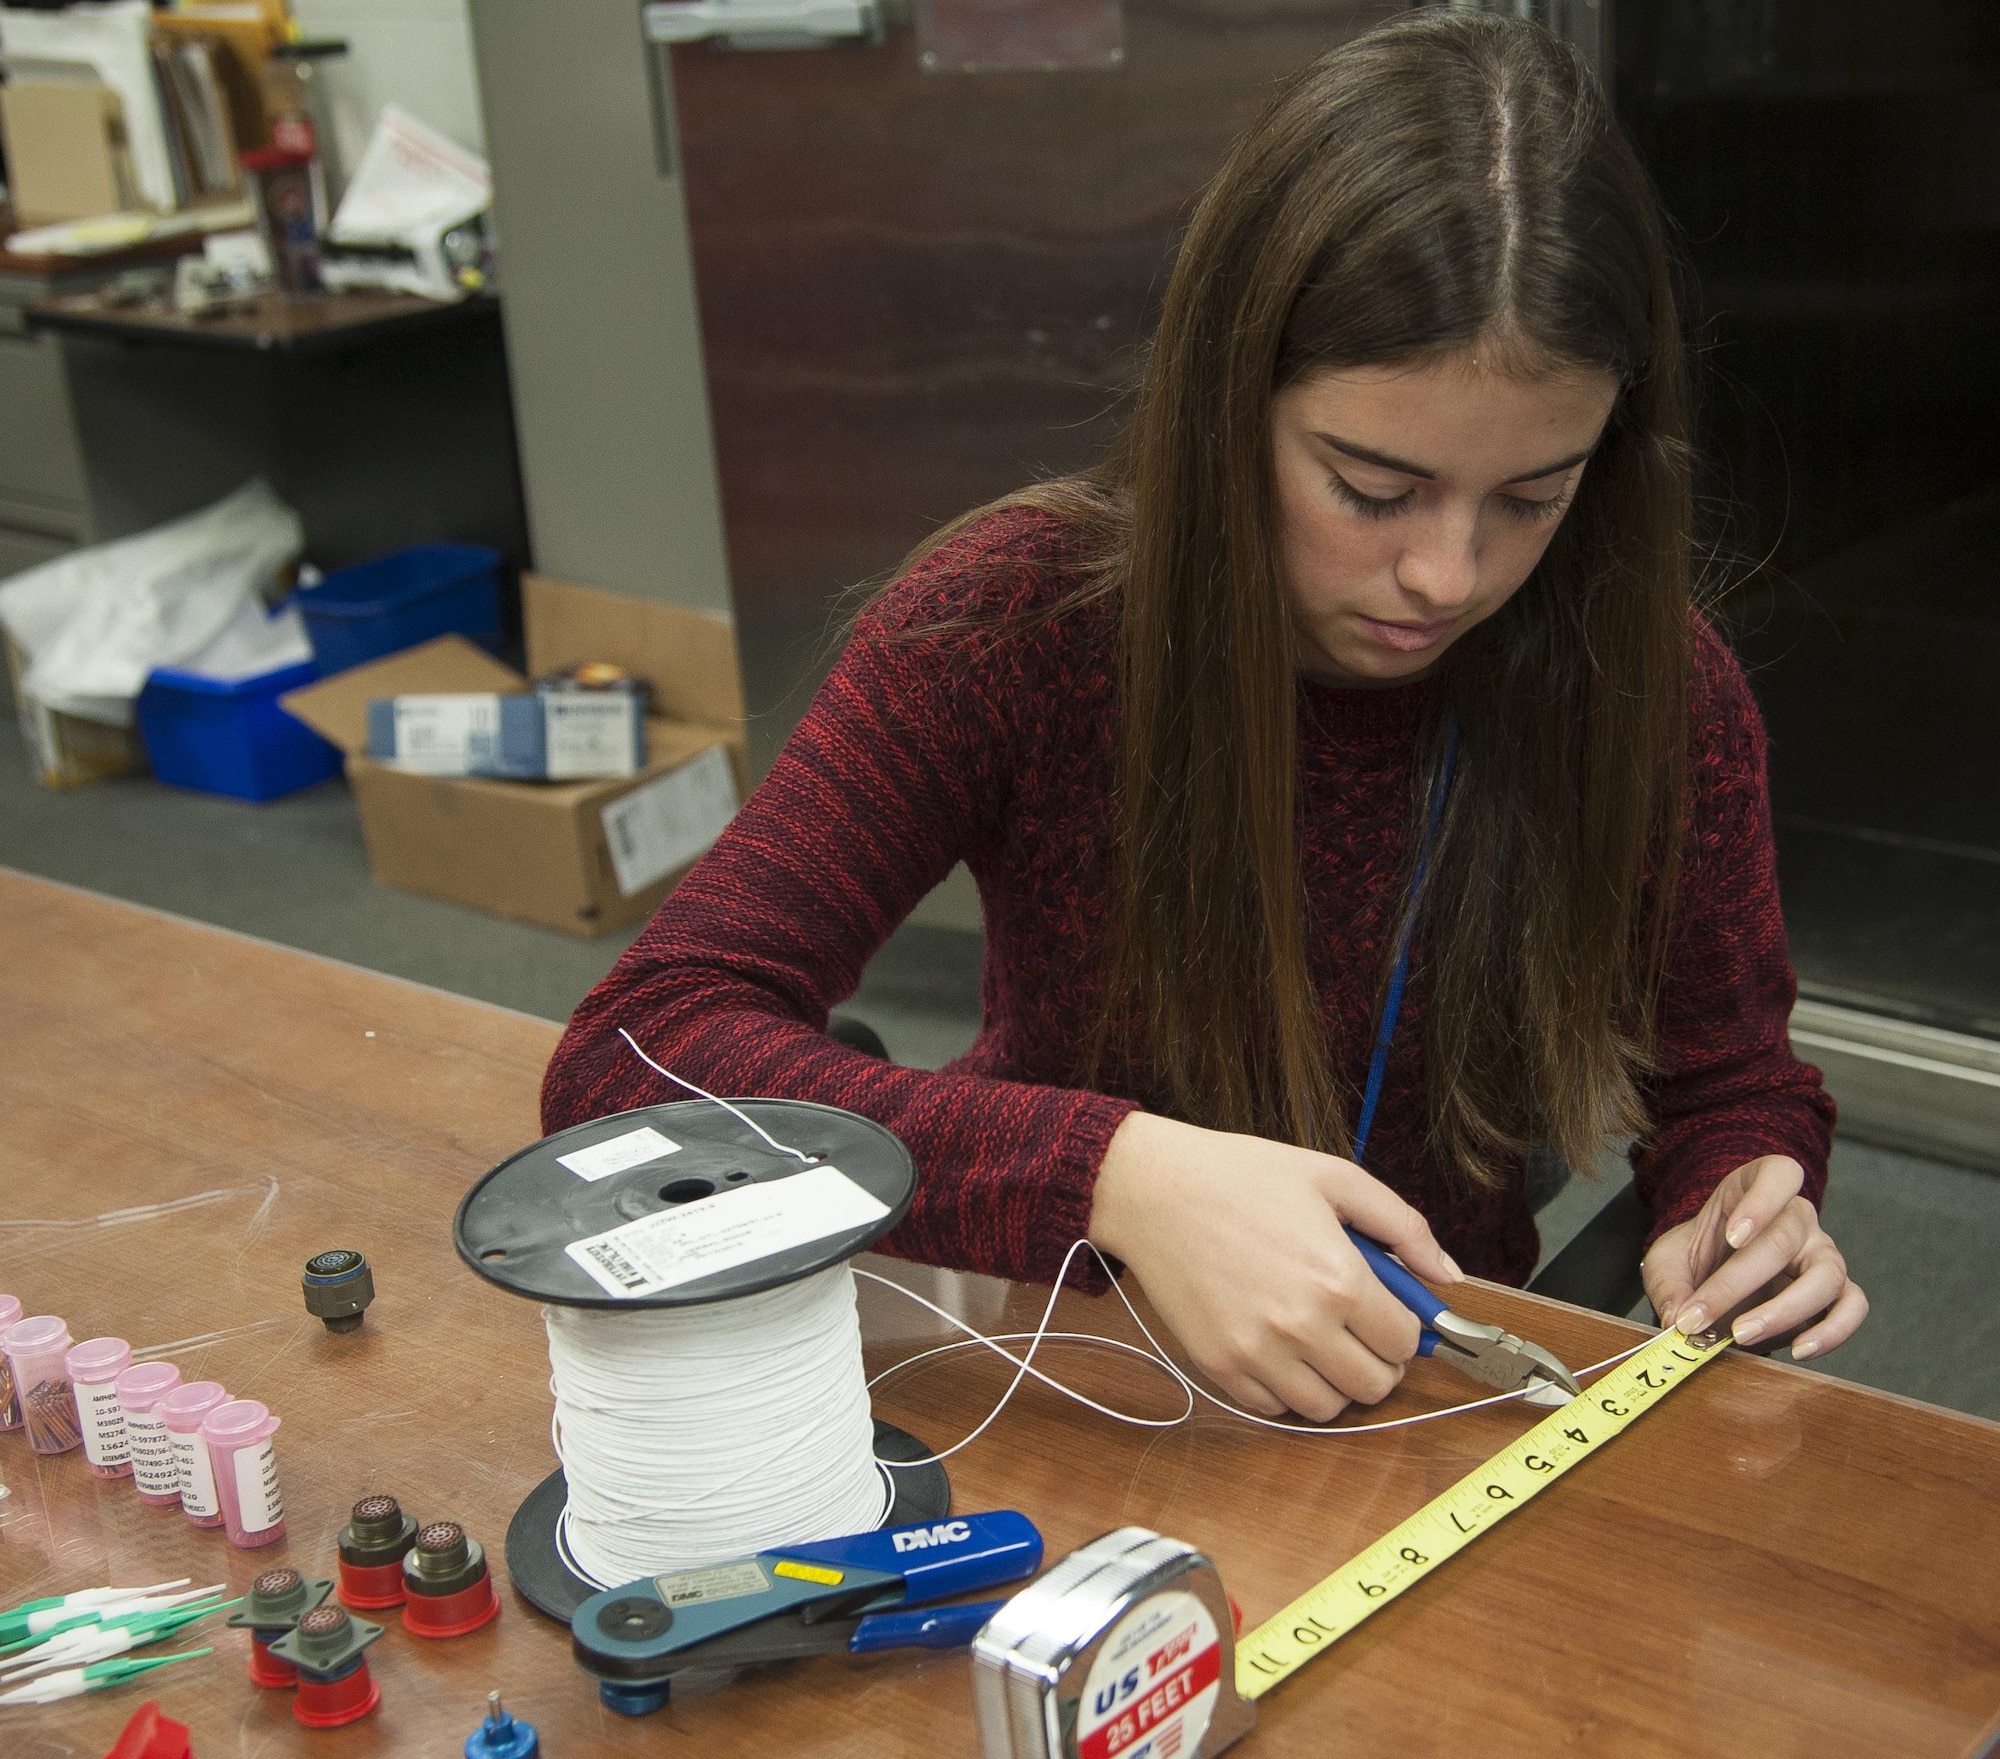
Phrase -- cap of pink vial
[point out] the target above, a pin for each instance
(10, 1310)
(148, 1383)
(25, 1336)
(99, 1359)
(191, 1402)
(238, 1423)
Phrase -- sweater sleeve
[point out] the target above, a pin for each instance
(1727, 1087)
(899, 769)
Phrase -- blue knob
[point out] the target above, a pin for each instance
(634, 1700)
(502, 1736)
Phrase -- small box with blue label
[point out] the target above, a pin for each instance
(543, 735)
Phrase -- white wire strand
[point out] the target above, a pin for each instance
(741, 1117)
(1157, 1356)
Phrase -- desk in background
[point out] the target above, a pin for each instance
(44, 499)
(1774, 1563)
(383, 419)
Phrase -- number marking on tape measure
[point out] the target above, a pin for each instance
(1281, 1645)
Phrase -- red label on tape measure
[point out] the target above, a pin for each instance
(1151, 1691)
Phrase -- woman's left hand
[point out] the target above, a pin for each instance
(1757, 1246)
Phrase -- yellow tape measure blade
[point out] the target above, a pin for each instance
(1446, 1525)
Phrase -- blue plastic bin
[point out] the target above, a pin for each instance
(396, 601)
(232, 738)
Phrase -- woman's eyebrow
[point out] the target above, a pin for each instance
(1403, 467)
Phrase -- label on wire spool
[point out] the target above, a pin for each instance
(1151, 1692)
(721, 1232)
(634, 1149)
(1445, 1526)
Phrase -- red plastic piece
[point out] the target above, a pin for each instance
(370, 1587)
(452, 1615)
(321, 1704)
(150, 1735)
(1235, 1613)
(268, 1670)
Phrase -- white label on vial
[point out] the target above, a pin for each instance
(154, 1468)
(257, 1498)
(634, 1149)
(197, 1474)
(102, 1419)
(718, 1233)
(1152, 1690)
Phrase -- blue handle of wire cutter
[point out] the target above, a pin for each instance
(934, 1627)
(1405, 1287)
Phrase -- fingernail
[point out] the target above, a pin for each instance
(1691, 1319)
(1803, 1348)
(1748, 1331)
(1739, 1231)
(1451, 1264)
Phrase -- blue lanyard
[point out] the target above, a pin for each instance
(1392, 1003)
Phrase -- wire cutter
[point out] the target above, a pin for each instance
(1491, 1356)
(847, 1594)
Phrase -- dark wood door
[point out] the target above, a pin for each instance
(922, 289)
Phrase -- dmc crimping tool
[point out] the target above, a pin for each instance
(849, 1594)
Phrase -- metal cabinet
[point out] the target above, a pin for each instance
(44, 509)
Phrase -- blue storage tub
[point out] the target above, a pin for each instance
(381, 607)
(232, 738)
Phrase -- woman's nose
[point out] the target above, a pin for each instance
(1440, 564)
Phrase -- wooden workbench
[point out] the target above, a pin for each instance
(1774, 1563)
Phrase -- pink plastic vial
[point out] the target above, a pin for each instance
(238, 1435)
(156, 1475)
(35, 1350)
(10, 1404)
(183, 1411)
(94, 1367)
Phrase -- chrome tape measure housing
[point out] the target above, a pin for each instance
(1125, 1650)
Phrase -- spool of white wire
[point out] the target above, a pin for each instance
(699, 1435)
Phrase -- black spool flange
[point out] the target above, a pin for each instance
(515, 1225)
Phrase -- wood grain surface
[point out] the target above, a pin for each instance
(1774, 1563)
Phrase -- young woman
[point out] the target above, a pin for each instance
(1394, 553)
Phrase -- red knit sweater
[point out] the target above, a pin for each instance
(996, 749)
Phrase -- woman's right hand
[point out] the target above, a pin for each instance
(1239, 1245)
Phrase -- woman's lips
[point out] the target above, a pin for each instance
(1408, 638)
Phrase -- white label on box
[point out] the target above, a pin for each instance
(197, 1474)
(666, 823)
(154, 1468)
(102, 1419)
(634, 1149)
(258, 1503)
(447, 735)
(589, 735)
(718, 1233)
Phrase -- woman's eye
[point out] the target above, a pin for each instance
(1368, 506)
(1521, 507)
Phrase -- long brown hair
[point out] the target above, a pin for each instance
(1447, 179)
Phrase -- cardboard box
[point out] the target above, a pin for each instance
(66, 751)
(67, 154)
(583, 857)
